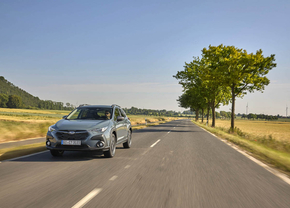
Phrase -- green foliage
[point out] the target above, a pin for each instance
(139, 111)
(201, 82)
(236, 69)
(222, 74)
(14, 101)
(3, 100)
(260, 117)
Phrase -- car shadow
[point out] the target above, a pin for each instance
(162, 130)
(68, 156)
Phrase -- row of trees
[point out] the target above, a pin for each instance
(259, 116)
(139, 111)
(222, 74)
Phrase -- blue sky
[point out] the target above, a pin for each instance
(126, 52)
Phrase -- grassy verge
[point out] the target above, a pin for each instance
(267, 149)
(14, 152)
(14, 131)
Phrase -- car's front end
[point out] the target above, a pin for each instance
(76, 140)
(80, 133)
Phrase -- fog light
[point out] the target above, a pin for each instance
(100, 144)
(48, 143)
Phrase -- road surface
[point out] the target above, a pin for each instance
(176, 164)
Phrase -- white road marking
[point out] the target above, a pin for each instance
(127, 166)
(168, 132)
(155, 143)
(25, 156)
(271, 170)
(113, 178)
(174, 127)
(87, 198)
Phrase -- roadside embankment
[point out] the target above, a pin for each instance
(273, 152)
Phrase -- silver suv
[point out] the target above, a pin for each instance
(90, 127)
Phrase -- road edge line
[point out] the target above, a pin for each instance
(282, 176)
(24, 156)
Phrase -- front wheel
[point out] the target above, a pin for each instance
(129, 140)
(112, 148)
(56, 153)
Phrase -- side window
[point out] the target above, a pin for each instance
(116, 114)
(123, 113)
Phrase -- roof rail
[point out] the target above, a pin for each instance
(83, 105)
(115, 105)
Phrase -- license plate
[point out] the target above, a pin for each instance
(71, 142)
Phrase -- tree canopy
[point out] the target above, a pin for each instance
(224, 73)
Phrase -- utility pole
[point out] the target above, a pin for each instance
(286, 111)
(247, 109)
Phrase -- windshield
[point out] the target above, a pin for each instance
(90, 114)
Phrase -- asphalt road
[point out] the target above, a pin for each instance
(176, 164)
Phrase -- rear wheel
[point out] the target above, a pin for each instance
(56, 153)
(112, 148)
(129, 140)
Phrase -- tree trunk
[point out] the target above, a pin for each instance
(213, 115)
(196, 114)
(207, 116)
(233, 109)
(202, 111)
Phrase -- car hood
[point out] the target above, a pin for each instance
(80, 124)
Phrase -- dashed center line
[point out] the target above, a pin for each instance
(113, 178)
(155, 143)
(87, 198)
(127, 166)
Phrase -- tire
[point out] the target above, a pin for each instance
(129, 140)
(56, 153)
(112, 149)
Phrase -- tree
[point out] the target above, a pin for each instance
(238, 70)
(197, 75)
(14, 101)
(3, 100)
(192, 99)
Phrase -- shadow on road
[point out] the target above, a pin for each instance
(161, 130)
(68, 156)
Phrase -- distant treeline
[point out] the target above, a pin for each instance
(227, 115)
(139, 111)
(260, 116)
(12, 96)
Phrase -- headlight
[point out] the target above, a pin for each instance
(51, 128)
(99, 130)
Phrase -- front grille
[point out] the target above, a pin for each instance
(69, 135)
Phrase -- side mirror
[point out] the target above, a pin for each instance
(64, 117)
(120, 118)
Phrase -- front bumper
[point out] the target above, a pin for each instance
(87, 144)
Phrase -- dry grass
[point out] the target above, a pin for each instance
(14, 110)
(279, 130)
(140, 119)
(17, 124)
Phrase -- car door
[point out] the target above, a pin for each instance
(119, 125)
(126, 122)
